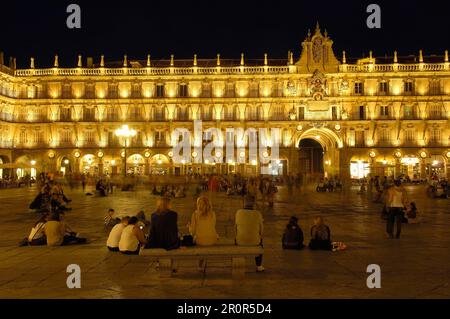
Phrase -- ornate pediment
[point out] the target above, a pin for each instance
(317, 53)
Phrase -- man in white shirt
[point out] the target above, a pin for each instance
(249, 228)
(114, 236)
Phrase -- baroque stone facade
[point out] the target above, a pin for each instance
(379, 116)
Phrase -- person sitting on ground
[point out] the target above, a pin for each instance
(132, 238)
(412, 214)
(37, 234)
(109, 218)
(142, 219)
(249, 228)
(58, 233)
(293, 235)
(116, 233)
(101, 188)
(164, 227)
(179, 193)
(320, 235)
(56, 204)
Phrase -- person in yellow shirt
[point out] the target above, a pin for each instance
(249, 228)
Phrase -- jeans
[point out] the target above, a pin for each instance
(395, 215)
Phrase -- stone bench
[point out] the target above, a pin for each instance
(237, 254)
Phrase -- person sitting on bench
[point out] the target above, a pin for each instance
(249, 228)
(164, 228)
(132, 238)
(116, 233)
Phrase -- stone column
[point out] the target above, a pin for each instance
(397, 168)
(344, 168)
(147, 167)
(423, 173)
(100, 166)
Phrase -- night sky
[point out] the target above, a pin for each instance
(113, 28)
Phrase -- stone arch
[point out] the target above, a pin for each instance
(326, 137)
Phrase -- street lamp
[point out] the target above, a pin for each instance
(125, 132)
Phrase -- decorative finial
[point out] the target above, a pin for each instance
(195, 59)
(395, 57)
(309, 33)
(242, 59)
(291, 59)
(80, 61)
(102, 61)
(56, 64)
(218, 59)
(31, 63)
(326, 33)
(344, 57)
(370, 54)
(446, 56)
(265, 59)
(149, 62)
(421, 56)
(125, 61)
(171, 60)
(317, 27)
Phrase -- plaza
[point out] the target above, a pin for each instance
(416, 266)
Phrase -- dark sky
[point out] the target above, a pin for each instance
(38, 28)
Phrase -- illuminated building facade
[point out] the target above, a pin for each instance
(347, 117)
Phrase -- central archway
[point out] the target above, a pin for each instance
(311, 157)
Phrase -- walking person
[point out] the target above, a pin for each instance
(396, 201)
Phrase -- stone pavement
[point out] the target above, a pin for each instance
(416, 266)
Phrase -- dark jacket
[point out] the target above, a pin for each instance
(164, 231)
(320, 238)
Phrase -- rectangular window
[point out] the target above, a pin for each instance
(134, 113)
(334, 113)
(66, 137)
(384, 111)
(408, 87)
(435, 112)
(206, 90)
(89, 114)
(113, 91)
(89, 137)
(360, 140)
(160, 90)
(362, 112)
(435, 87)
(112, 114)
(410, 137)
(435, 136)
(384, 136)
(383, 88)
(183, 90)
(301, 113)
(230, 90)
(359, 88)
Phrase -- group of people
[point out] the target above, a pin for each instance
(174, 191)
(128, 236)
(51, 197)
(52, 230)
(329, 185)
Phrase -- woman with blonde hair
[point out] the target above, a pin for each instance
(203, 223)
(164, 227)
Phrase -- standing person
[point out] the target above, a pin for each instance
(164, 227)
(132, 238)
(271, 189)
(83, 182)
(396, 201)
(249, 228)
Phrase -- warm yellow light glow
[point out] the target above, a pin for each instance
(125, 131)
(33, 162)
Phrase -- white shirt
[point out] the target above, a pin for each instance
(128, 240)
(114, 235)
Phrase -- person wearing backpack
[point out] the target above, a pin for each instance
(293, 235)
(320, 235)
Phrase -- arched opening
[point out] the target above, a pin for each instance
(89, 164)
(160, 165)
(65, 166)
(135, 165)
(311, 157)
